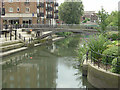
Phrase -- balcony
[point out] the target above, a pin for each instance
(56, 11)
(49, 8)
(50, 2)
(3, 11)
(56, 17)
(49, 16)
(40, 15)
(27, 3)
(40, 5)
(56, 4)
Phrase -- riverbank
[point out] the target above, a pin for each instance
(99, 77)
(3, 54)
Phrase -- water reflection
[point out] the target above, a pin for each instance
(48, 66)
(35, 72)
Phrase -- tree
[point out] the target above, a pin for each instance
(113, 19)
(70, 12)
(102, 20)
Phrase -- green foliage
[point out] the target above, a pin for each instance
(82, 50)
(70, 12)
(102, 15)
(97, 43)
(111, 51)
(64, 34)
(112, 19)
(116, 66)
(113, 35)
(85, 21)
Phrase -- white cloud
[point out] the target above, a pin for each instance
(95, 5)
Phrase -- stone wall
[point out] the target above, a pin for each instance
(99, 78)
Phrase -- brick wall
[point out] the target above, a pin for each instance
(22, 6)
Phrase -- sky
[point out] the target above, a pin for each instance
(95, 5)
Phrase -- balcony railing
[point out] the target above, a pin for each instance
(56, 11)
(49, 8)
(49, 16)
(50, 2)
(40, 5)
(56, 4)
(40, 14)
(56, 17)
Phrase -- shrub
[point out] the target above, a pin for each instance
(113, 35)
(82, 50)
(111, 52)
(116, 66)
(64, 33)
(97, 44)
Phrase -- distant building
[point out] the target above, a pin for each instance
(29, 12)
(20, 12)
(91, 15)
(47, 12)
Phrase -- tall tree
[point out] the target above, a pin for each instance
(70, 12)
(113, 19)
(102, 20)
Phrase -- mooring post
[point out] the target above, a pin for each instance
(10, 35)
(15, 34)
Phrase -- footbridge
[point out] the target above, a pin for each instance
(39, 29)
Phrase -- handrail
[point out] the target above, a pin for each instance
(98, 61)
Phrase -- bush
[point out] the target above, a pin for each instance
(82, 50)
(116, 66)
(97, 44)
(112, 35)
(111, 51)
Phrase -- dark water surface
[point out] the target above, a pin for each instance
(47, 66)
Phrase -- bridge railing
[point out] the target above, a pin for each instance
(65, 26)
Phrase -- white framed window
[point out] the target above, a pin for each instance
(10, 1)
(18, 9)
(17, 0)
(27, 9)
(10, 9)
(27, 0)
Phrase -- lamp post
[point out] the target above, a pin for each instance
(0, 22)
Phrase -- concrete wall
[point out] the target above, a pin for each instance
(99, 78)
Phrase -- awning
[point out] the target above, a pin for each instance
(10, 18)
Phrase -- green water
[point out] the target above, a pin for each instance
(47, 66)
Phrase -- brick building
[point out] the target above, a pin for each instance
(30, 12)
(91, 15)
(47, 11)
(20, 12)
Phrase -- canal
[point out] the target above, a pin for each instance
(51, 65)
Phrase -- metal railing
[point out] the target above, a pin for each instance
(97, 60)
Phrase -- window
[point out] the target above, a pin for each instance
(17, 0)
(27, 9)
(18, 9)
(10, 0)
(27, 0)
(10, 9)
